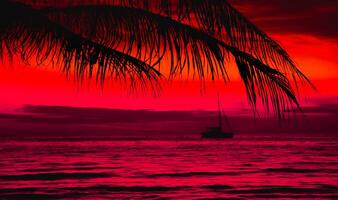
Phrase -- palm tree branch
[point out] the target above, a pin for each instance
(216, 17)
(33, 36)
(138, 31)
(260, 79)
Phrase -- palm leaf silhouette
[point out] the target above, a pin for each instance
(132, 39)
(216, 17)
(35, 37)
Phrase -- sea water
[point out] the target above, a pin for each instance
(246, 167)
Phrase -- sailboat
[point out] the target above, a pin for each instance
(218, 132)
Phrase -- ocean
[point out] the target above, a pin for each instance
(247, 167)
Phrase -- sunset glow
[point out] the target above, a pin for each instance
(23, 84)
(168, 99)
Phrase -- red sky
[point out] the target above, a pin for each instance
(304, 28)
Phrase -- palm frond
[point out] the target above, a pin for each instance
(148, 36)
(32, 36)
(215, 17)
(270, 85)
(219, 18)
(195, 35)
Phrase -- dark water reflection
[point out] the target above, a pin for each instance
(247, 167)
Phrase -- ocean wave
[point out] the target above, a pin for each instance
(56, 176)
(108, 188)
(31, 196)
(285, 190)
(91, 192)
(288, 196)
(292, 170)
(217, 187)
(299, 170)
(68, 168)
(17, 190)
(189, 174)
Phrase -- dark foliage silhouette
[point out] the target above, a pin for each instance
(130, 40)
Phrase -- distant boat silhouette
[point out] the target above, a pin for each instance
(217, 132)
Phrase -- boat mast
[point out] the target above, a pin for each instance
(220, 117)
(228, 122)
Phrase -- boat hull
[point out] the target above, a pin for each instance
(217, 135)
